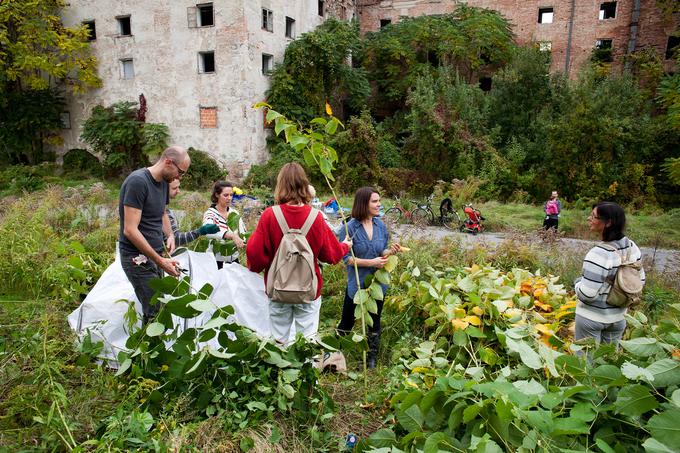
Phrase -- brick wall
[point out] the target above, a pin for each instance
(523, 15)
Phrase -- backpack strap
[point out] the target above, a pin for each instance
(278, 213)
(313, 214)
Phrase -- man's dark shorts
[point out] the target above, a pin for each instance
(139, 271)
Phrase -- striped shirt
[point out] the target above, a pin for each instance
(212, 215)
(599, 267)
(181, 238)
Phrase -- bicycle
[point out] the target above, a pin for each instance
(421, 215)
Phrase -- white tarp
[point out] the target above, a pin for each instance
(103, 310)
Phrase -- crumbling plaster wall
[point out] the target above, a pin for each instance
(165, 56)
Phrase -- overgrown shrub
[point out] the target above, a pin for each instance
(80, 161)
(120, 134)
(203, 172)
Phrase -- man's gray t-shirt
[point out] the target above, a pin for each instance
(141, 191)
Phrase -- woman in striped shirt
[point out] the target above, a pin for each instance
(218, 214)
(594, 317)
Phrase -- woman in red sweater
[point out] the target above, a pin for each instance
(293, 196)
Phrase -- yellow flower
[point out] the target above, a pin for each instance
(329, 110)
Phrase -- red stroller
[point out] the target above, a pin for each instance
(473, 224)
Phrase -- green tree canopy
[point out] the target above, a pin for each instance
(315, 70)
(473, 41)
(39, 58)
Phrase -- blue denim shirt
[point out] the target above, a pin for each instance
(364, 248)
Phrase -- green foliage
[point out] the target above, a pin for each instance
(280, 154)
(39, 57)
(497, 373)
(203, 172)
(29, 121)
(447, 127)
(470, 41)
(81, 161)
(240, 374)
(357, 148)
(315, 71)
(125, 142)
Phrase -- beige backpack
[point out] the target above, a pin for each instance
(626, 284)
(292, 278)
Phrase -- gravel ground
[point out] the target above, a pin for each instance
(662, 260)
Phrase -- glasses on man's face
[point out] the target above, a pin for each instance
(179, 170)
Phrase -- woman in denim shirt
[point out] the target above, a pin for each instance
(370, 238)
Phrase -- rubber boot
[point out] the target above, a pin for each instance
(372, 356)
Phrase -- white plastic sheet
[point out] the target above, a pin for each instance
(102, 313)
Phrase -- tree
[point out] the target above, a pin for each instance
(471, 41)
(315, 70)
(39, 57)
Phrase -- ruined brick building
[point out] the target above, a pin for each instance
(569, 29)
(201, 66)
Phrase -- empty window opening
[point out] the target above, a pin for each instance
(208, 117)
(546, 15)
(603, 44)
(603, 51)
(127, 69)
(65, 118)
(320, 7)
(343, 12)
(267, 20)
(206, 62)
(206, 15)
(545, 46)
(290, 27)
(91, 30)
(267, 63)
(607, 10)
(124, 27)
(385, 22)
(485, 83)
(672, 47)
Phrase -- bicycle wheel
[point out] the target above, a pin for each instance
(392, 216)
(421, 217)
(451, 220)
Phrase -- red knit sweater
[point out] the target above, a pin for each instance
(265, 240)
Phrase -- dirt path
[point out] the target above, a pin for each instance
(662, 260)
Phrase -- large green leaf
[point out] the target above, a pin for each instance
(434, 441)
(155, 329)
(528, 356)
(635, 400)
(665, 427)
(641, 347)
(566, 426)
(652, 445)
(383, 438)
(636, 373)
(411, 419)
(608, 375)
(666, 372)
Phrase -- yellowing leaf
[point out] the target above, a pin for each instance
(404, 249)
(479, 311)
(459, 313)
(459, 324)
(543, 329)
(544, 307)
(329, 110)
(474, 320)
(391, 263)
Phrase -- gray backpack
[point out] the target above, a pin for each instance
(292, 277)
(626, 284)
